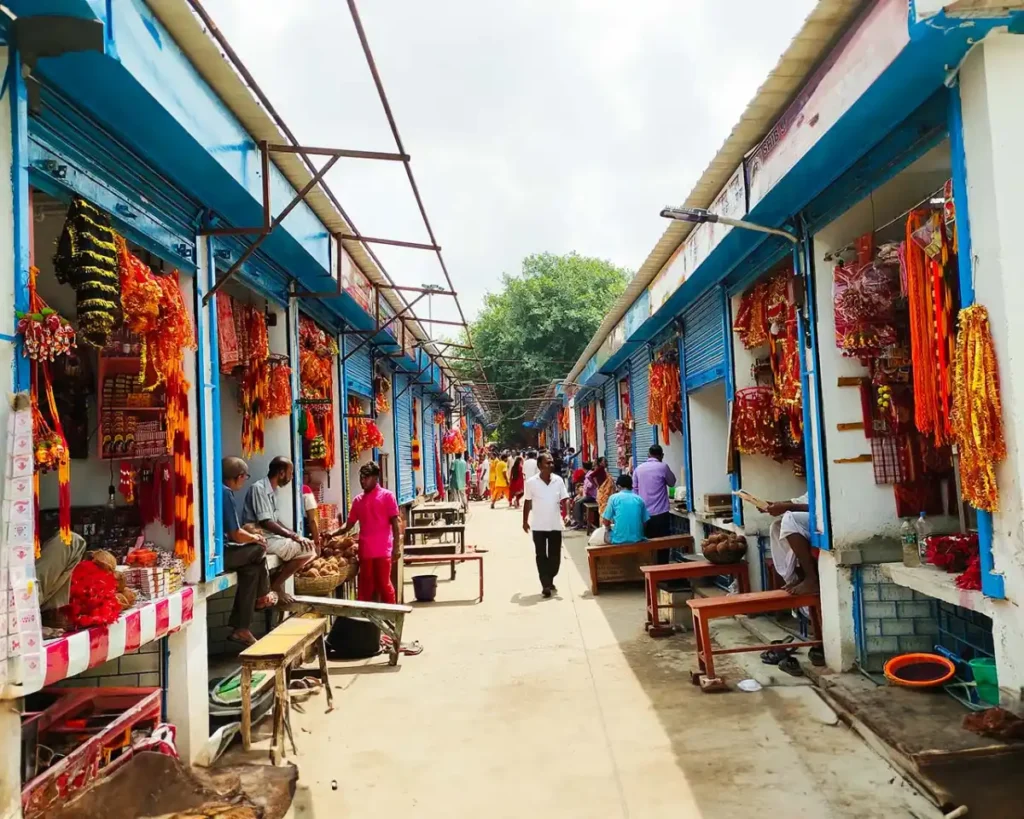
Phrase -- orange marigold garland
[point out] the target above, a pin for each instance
(279, 392)
(977, 420)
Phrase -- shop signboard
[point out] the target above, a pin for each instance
(638, 312)
(867, 48)
(731, 201)
(387, 312)
(356, 284)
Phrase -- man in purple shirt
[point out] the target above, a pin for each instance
(651, 481)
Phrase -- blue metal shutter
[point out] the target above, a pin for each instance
(640, 396)
(406, 488)
(429, 434)
(704, 339)
(70, 153)
(611, 414)
(358, 368)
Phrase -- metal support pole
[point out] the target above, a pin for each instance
(350, 237)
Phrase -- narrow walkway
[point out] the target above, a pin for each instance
(525, 707)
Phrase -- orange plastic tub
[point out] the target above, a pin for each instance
(919, 670)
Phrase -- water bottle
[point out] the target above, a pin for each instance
(924, 531)
(908, 539)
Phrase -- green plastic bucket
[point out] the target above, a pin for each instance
(984, 670)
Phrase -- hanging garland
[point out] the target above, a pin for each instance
(754, 429)
(254, 379)
(978, 414)
(665, 409)
(279, 391)
(382, 393)
(478, 436)
(86, 258)
(46, 337)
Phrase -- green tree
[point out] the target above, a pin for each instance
(536, 327)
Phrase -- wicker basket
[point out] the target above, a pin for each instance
(318, 586)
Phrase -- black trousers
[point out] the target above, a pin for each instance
(249, 560)
(659, 526)
(548, 546)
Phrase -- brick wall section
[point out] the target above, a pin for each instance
(218, 611)
(138, 669)
(896, 619)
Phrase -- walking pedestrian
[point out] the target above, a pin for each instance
(516, 481)
(544, 508)
(499, 469)
(530, 466)
(457, 480)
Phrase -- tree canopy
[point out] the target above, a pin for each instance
(536, 327)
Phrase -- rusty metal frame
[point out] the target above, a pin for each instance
(381, 328)
(304, 153)
(414, 382)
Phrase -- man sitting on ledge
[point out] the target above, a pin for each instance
(791, 546)
(625, 515)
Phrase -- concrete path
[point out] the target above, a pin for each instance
(524, 707)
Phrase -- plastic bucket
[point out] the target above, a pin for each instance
(424, 586)
(984, 671)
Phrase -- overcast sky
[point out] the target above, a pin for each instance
(533, 125)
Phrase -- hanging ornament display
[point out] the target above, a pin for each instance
(453, 442)
(86, 258)
(279, 390)
(317, 351)
(977, 422)
(665, 409)
(382, 393)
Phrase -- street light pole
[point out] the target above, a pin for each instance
(699, 216)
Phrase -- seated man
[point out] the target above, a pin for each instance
(586, 490)
(54, 565)
(625, 514)
(244, 553)
(261, 509)
(791, 546)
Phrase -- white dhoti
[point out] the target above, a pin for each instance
(791, 523)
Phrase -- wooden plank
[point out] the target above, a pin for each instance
(860, 459)
(851, 425)
(849, 381)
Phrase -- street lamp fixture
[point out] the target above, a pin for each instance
(699, 216)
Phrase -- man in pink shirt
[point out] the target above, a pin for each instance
(376, 512)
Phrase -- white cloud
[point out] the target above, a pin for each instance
(534, 125)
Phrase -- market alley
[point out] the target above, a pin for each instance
(521, 706)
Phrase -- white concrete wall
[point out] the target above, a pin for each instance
(709, 435)
(993, 124)
(860, 509)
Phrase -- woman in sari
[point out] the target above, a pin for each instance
(605, 484)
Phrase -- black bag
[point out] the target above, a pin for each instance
(353, 638)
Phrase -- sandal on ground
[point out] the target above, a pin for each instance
(774, 656)
(305, 684)
(412, 649)
(817, 656)
(267, 601)
(791, 666)
(242, 642)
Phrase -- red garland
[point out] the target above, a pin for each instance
(93, 597)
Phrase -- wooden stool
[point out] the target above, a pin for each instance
(275, 652)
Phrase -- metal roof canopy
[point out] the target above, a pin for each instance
(234, 84)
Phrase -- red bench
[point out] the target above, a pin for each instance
(686, 570)
(706, 609)
(434, 560)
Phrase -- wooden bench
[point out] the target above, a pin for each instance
(425, 560)
(390, 619)
(591, 516)
(706, 609)
(641, 552)
(275, 652)
(686, 570)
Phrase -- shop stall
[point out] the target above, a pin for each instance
(108, 340)
(665, 409)
(898, 354)
(766, 434)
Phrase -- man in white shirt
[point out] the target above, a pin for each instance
(545, 497)
(530, 468)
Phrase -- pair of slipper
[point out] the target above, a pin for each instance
(786, 662)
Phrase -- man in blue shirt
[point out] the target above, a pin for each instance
(244, 553)
(626, 513)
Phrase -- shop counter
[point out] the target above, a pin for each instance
(74, 653)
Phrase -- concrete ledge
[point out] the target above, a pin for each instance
(938, 584)
(223, 582)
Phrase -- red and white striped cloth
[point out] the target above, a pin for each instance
(78, 652)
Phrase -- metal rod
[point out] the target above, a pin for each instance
(338, 153)
(414, 381)
(395, 242)
(386, 324)
(460, 346)
(441, 321)
(428, 290)
(277, 220)
(740, 223)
